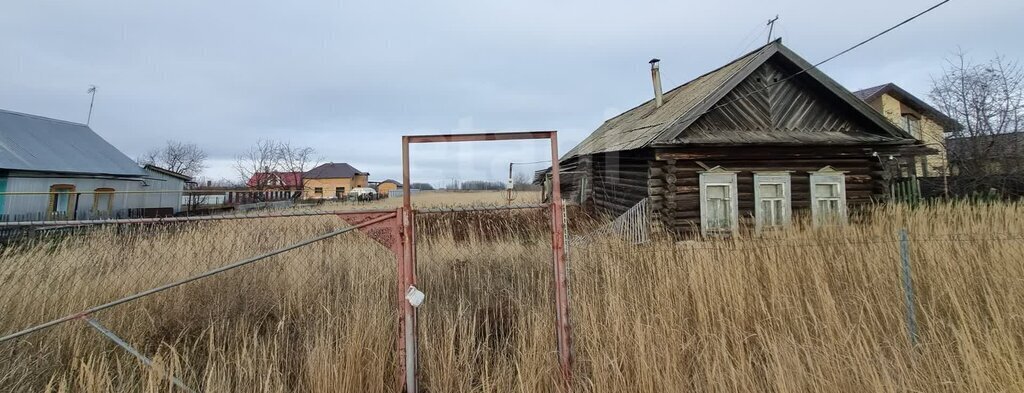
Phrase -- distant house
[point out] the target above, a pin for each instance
(387, 186)
(332, 180)
(275, 181)
(55, 169)
(987, 155)
(916, 117)
(171, 185)
(756, 142)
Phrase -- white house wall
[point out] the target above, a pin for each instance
(14, 206)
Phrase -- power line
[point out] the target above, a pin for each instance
(748, 39)
(881, 33)
(816, 65)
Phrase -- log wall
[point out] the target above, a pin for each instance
(619, 180)
(680, 199)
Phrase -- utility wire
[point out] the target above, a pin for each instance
(816, 65)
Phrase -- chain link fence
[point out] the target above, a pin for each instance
(281, 290)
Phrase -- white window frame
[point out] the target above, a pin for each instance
(780, 178)
(718, 177)
(828, 175)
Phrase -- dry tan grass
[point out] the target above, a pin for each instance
(440, 199)
(795, 311)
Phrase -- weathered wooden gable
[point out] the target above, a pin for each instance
(770, 101)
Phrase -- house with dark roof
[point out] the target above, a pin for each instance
(916, 117)
(757, 141)
(55, 169)
(332, 180)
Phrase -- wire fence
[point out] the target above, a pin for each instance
(104, 204)
(161, 281)
(170, 295)
(165, 285)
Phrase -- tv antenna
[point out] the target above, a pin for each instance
(92, 91)
(771, 27)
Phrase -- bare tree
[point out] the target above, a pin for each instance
(521, 181)
(265, 164)
(986, 100)
(182, 157)
(256, 165)
(297, 159)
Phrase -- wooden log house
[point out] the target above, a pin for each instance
(750, 142)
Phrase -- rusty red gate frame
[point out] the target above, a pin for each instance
(407, 348)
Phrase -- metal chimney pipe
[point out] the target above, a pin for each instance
(656, 79)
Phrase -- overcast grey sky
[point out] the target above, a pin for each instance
(350, 78)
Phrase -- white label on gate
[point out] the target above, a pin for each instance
(414, 296)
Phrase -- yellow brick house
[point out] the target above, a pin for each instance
(918, 118)
(332, 180)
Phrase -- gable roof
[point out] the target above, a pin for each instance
(287, 179)
(333, 170)
(40, 144)
(646, 124)
(872, 93)
(167, 172)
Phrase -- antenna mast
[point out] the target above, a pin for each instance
(771, 27)
(92, 90)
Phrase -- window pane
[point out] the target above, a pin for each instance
(719, 192)
(770, 190)
(826, 190)
(62, 202)
(719, 214)
(777, 212)
(771, 212)
(102, 202)
(725, 214)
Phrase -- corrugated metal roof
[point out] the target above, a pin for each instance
(333, 170)
(34, 143)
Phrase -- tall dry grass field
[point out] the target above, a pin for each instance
(792, 311)
(437, 199)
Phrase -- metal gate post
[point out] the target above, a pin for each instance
(563, 330)
(407, 276)
(407, 268)
(400, 259)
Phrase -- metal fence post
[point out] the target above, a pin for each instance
(407, 277)
(908, 288)
(563, 327)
